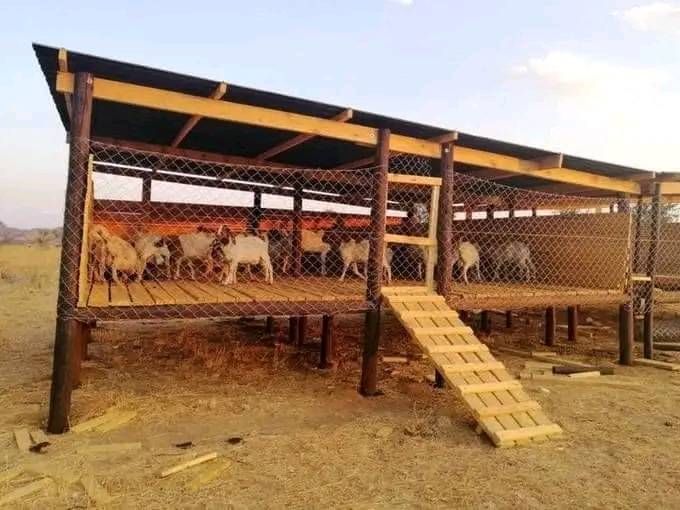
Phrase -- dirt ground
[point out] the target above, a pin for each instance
(291, 436)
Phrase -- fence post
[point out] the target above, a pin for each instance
(257, 212)
(327, 349)
(572, 323)
(445, 222)
(297, 228)
(68, 331)
(369, 364)
(626, 334)
(550, 326)
(648, 325)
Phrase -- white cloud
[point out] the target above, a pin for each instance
(606, 110)
(655, 17)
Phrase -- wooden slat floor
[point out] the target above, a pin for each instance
(499, 404)
(187, 292)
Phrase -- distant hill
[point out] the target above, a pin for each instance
(45, 236)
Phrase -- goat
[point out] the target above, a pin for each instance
(466, 255)
(191, 247)
(312, 242)
(280, 249)
(354, 253)
(119, 255)
(153, 248)
(246, 249)
(517, 255)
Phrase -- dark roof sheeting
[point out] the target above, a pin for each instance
(129, 122)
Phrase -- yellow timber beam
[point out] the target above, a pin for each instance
(178, 102)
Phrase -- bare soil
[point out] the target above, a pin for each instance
(307, 439)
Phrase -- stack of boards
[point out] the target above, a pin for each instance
(498, 402)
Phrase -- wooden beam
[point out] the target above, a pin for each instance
(178, 102)
(670, 188)
(343, 116)
(218, 93)
(550, 161)
(445, 138)
(62, 59)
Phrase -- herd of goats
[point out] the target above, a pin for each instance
(222, 252)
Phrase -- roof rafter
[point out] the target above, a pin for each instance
(178, 102)
(62, 60)
(191, 122)
(343, 116)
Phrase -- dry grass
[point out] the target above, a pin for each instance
(308, 439)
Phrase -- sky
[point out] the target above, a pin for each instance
(593, 79)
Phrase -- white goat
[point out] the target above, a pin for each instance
(466, 256)
(312, 242)
(515, 254)
(120, 255)
(193, 246)
(152, 248)
(97, 246)
(246, 249)
(354, 253)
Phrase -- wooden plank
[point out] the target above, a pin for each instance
(177, 293)
(456, 348)
(442, 314)
(188, 464)
(99, 295)
(25, 490)
(140, 296)
(256, 293)
(489, 386)
(656, 364)
(343, 116)
(405, 289)
(429, 298)
(119, 295)
(62, 60)
(416, 180)
(22, 439)
(158, 293)
(38, 436)
(402, 239)
(197, 293)
(505, 436)
(450, 330)
(225, 293)
(485, 412)
(191, 122)
(92, 423)
(88, 211)
(209, 475)
(472, 367)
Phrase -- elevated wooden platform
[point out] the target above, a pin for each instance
(193, 292)
(527, 295)
(497, 401)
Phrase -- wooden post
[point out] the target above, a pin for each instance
(485, 322)
(534, 211)
(302, 331)
(146, 189)
(67, 330)
(652, 255)
(297, 228)
(327, 348)
(257, 211)
(369, 364)
(508, 318)
(445, 222)
(432, 235)
(572, 323)
(550, 326)
(626, 334)
(293, 330)
(269, 326)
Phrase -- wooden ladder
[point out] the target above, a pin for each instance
(498, 402)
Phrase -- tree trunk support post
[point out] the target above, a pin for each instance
(572, 323)
(327, 348)
(369, 364)
(297, 228)
(652, 255)
(68, 332)
(626, 326)
(269, 325)
(550, 326)
(302, 331)
(445, 222)
(293, 330)
(485, 322)
(508, 319)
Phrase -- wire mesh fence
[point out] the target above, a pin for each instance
(196, 237)
(516, 248)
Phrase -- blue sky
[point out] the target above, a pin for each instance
(595, 79)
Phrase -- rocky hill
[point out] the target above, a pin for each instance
(45, 236)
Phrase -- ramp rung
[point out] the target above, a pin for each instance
(434, 314)
(505, 436)
(442, 330)
(473, 367)
(517, 407)
(511, 384)
(456, 348)
(406, 289)
(426, 298)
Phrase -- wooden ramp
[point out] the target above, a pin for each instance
(499, 404)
